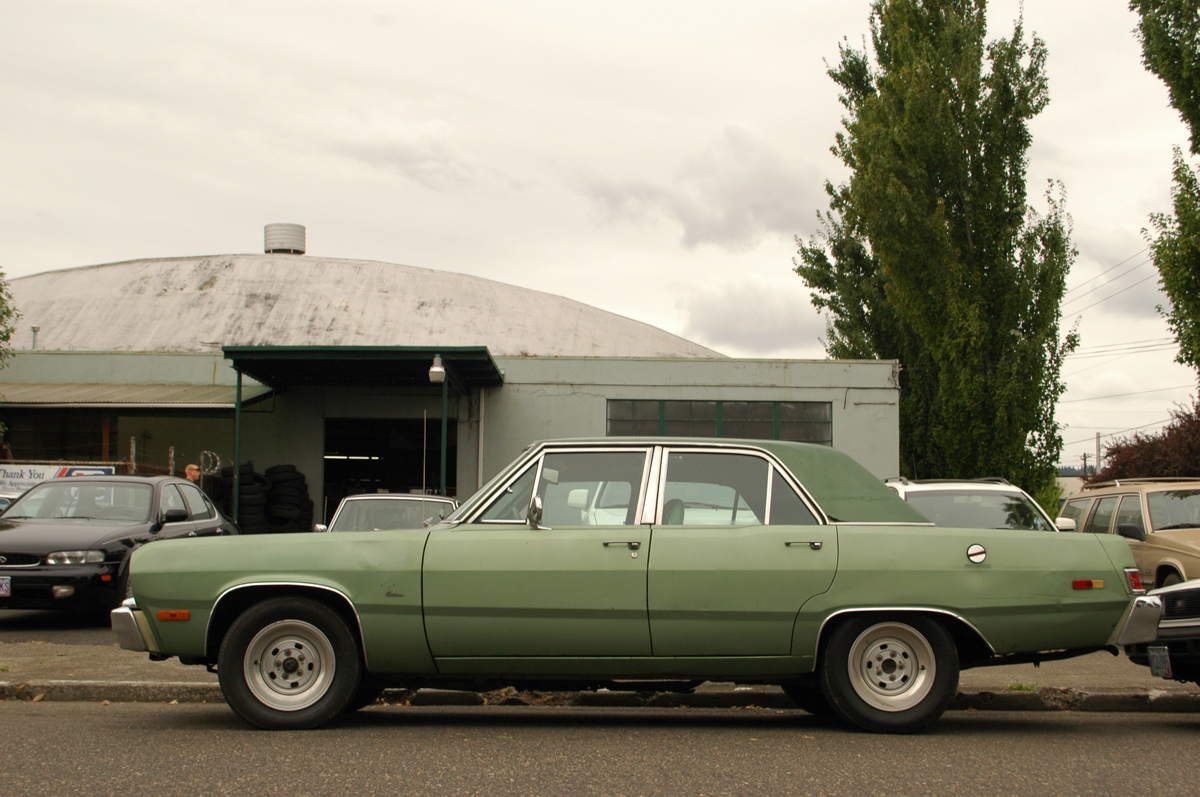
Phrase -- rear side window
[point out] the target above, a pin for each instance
(1075, 510)
(715, 489)
(197, 503)
(1101, 520)
(786, 507)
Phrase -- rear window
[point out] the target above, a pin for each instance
(980, 510)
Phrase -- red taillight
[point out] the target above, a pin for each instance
(1135, 580)
(1088, 583)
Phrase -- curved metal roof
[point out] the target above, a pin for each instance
(200, 303)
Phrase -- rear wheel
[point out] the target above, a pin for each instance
(289, 663)
(890, 676)
(1170, 578)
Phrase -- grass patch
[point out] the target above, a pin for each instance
(1021, 686)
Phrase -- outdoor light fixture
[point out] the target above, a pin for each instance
(437, 372)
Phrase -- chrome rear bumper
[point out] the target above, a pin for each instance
(1140, 622)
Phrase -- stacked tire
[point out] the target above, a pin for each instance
(273, 502)
(289, 507)
(252, 498)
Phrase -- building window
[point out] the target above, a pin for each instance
(801, 421)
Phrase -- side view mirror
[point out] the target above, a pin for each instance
(1065, 524)
(175, 516)
(535, 514)
(1131, 531)
(320, 527)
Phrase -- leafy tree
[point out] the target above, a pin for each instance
(929, 253)
(1169, 31)
(1176, 253)
(1172, 451)
(8, 326)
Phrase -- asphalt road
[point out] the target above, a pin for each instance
(60, 628)
(161, 749)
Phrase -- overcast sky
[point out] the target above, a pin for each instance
(652, 158)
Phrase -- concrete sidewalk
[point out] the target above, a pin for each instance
(1097, 682)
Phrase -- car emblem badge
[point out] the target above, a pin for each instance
(976, 553)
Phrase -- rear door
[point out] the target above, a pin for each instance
(736, 552)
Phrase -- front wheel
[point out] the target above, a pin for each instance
(289, 664)
(890, 676)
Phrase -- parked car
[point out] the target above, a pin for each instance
(6, 499)
(65, 543)
(1174, 653)
(976, 504)
(589, 564)
(379, 511)
(1160, 518)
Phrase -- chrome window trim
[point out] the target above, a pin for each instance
(537, 458)
(773, 463)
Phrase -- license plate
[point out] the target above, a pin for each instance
(1160, 661)
(5, 586)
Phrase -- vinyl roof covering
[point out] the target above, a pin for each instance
(207, 303)
(372, 366)
(140, 396)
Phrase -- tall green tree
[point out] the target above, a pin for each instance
(1169, 31)
(930, 254)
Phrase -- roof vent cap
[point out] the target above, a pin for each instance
(286, 239)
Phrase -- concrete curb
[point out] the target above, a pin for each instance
(1044, 699)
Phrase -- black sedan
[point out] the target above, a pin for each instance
(65, 543)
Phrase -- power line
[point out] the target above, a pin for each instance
(1102, 273)
(1129, 270)
(1122, 395)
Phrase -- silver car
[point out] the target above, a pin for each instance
(382, 511)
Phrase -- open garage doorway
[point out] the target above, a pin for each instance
(395, 455)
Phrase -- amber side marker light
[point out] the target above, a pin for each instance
(174, 614)
(1088, 583)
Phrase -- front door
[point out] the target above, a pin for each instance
(573, 586)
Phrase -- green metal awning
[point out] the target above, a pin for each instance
(364, 366)
(157, 397)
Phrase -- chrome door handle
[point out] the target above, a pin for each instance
(815, 545)
(633, 545)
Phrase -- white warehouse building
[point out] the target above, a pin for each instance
(326, 364)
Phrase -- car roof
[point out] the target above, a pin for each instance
(1139, 485)
(995, 485)
(845, 490)
(397, 496)
(135, 478)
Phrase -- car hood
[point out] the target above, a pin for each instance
(41, 537)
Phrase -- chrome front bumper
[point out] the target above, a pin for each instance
(1140, 622)
(132, 630)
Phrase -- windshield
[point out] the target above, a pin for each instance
(375, 514)
(966, 509)
(113, 502)
(1174, 509)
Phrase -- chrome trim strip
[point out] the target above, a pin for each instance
(303, 584)
(907, 609)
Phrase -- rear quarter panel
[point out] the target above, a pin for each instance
(378, 572)
(1020, 598)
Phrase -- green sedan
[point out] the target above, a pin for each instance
(588, 564)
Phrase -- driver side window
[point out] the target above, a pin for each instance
(513, 504)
